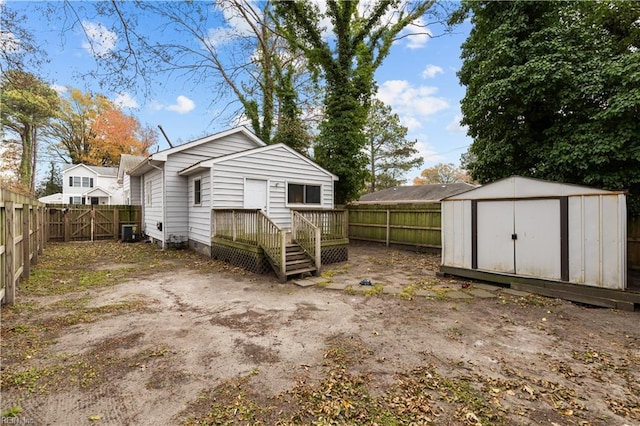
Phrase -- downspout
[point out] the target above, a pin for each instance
(164, 210)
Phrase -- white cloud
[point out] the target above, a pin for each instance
(414, 104)
(220, 36)
(455, 127)
(431, 71)
(101, 40)
(417, 34)
(9, 42)
(59, 88)
(182, 106)
(124, 100)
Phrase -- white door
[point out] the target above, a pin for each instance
(520, 237)
(537, 228)
(255, 194)
(495, 225)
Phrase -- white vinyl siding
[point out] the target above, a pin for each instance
(200, 215)
(179, 212)
(278, 166)
(153, 197)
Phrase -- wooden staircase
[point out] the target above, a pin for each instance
(298, 262)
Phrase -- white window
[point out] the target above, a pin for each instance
(197, 195)
(303, 194)
(147, 193)
(81, 181)
(75, 200)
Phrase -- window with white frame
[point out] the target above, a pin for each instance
(147, 193)
(75, 200)
(197, 193)
(81, 181)
(303, 193)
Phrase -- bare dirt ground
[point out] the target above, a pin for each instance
(117, 334)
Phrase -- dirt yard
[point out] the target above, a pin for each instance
(125, 334)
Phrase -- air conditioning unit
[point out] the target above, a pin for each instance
(130, 233)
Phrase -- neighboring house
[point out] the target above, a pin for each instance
(234, 169)
(416, 194)
(84, 184)
(131, 189)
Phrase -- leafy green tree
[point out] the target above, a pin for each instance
(390, 154)
(347, 61)
(52, 184)
(27, 104)
(553, 91)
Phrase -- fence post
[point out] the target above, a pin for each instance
(35, 222)
(388, 226)
(9, 246)
(26, 241)
(318, 248)
(116, 224)
(67, 225)
(92, 215)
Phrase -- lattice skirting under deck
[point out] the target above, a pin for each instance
(335, 254)
(245, 259)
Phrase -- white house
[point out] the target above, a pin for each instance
(233, 169)
(84, 184)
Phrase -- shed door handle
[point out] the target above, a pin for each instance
(514, 236)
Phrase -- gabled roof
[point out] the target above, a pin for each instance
(98, 191)
(160, 157)
(416, 194)
(517, 187)
(207, 164)
(99, 170)
(128, 162)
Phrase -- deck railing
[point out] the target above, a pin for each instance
(272, 239)
(332, 223)
(308, 236)
(236, 225)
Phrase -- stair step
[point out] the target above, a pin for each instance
(297, 256)
(300, 271)
(298, 262)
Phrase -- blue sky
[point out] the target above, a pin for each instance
(418, 80)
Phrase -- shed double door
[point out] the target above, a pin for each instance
(520, 237)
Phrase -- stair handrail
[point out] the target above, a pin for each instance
(272, 239)
(308, 236)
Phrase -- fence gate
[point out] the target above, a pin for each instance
(90, 223)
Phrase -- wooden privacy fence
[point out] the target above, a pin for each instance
(76, 222)
(415, 225)
(22, 239)
(418, 225)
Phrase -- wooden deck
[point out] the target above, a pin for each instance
(628, 300)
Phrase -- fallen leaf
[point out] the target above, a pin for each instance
(95, 417)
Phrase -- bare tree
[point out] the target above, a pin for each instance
(244, 62)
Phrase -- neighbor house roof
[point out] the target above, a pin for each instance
(102, 171)
(416, 193)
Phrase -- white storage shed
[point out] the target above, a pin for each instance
(526, 227)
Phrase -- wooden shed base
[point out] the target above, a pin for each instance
(628, 300)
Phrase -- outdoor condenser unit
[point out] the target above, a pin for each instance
(129, 233)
